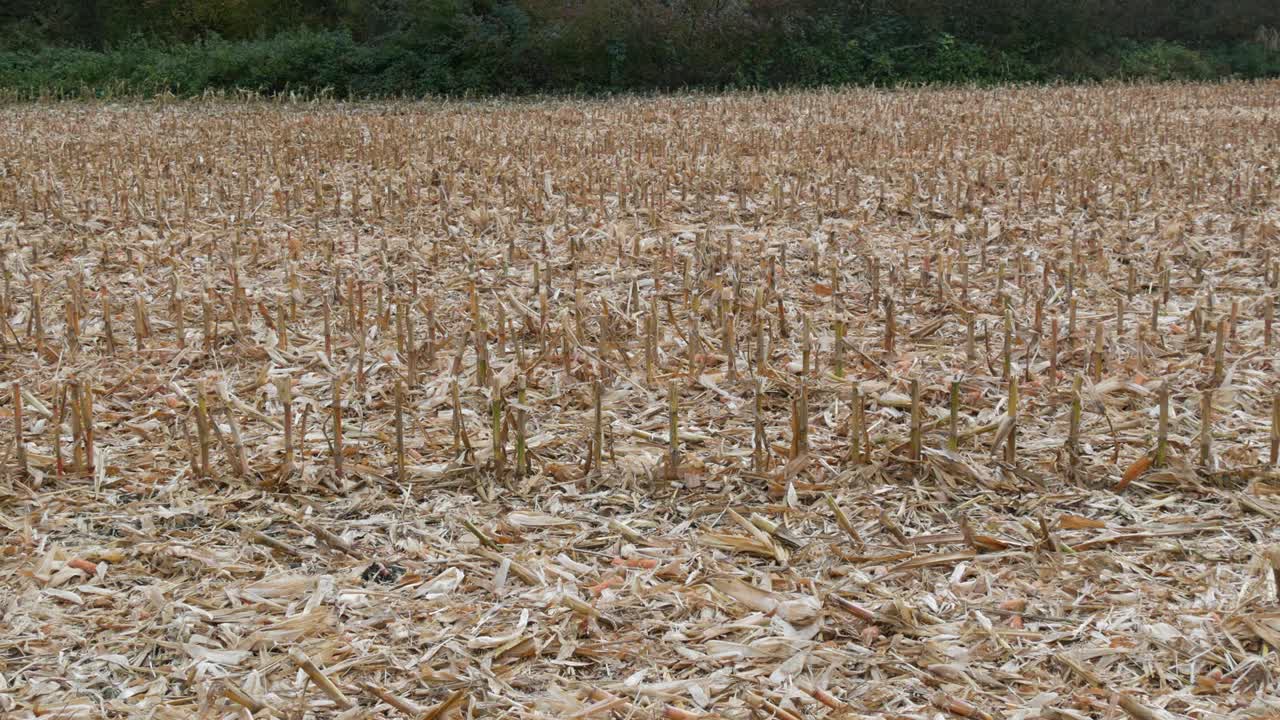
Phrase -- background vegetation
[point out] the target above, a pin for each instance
(415, 47)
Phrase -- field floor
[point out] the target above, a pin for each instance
(915, 404)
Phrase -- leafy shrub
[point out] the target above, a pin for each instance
(1248, 60)
(380, 48)
(1162, 60)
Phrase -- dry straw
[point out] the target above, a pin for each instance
(825, 404)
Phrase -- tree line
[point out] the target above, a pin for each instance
(369, 48)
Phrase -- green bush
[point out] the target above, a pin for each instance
(382, 48)
(303, 61)
(1248, 60)
(1161, 60)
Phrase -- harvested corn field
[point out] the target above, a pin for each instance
(914, 404)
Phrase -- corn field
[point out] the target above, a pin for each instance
(893, 404)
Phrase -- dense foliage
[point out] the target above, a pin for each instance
(415, 47)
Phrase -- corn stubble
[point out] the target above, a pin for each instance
(771, 405)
